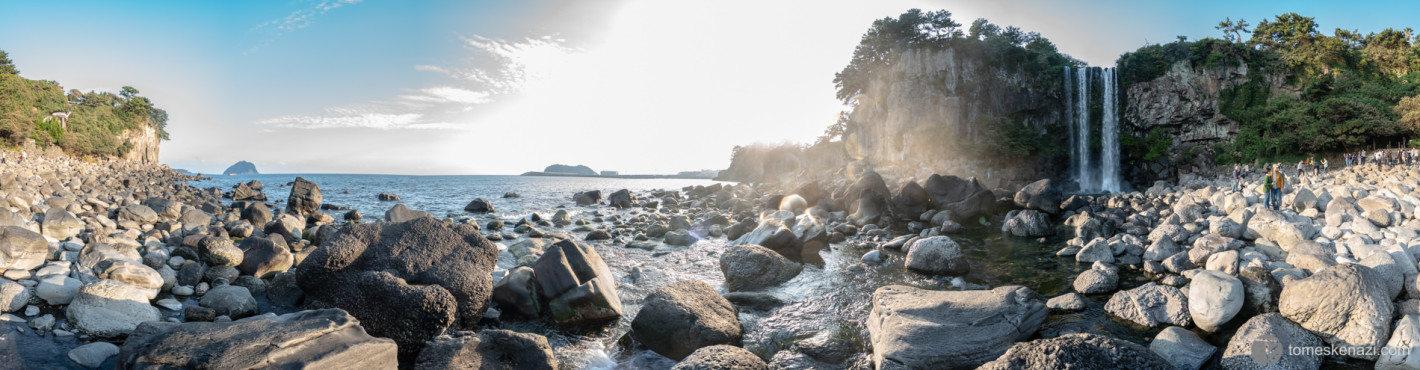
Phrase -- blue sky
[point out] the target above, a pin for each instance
(501, 87)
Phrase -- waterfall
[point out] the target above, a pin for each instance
(1109, 152)
(1093, 177)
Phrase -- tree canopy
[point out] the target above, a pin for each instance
(95, 119)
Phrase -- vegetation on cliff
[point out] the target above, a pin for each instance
(1345, 91)
(81, 123)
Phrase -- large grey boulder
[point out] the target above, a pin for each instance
(218, 251)
(1346, 305)
(488, 349)
(479, 205)
(937, 255)
(1150, 305)
(21, 249)
(517, 295)
(13, 296)
(1028, 223)
(910, 201)
(314, 339)
(1264, 342)
(262, 257)
(1403, 349)
(305, 197)
(406, 281)
(621, 199)
(576, 285)
(400, 213)
(230, 300)
(752, 267)
(1041, 195)
(138, 213)
(60, 224)
(92, 355)
(1078, 351)
(924, 329)
(1214, 298)
(108, 308)
(1182, 348)
(1100, 278)
(681, 317)
(966, 198)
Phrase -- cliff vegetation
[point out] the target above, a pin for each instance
(85, 124)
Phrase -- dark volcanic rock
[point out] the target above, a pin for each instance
(681, 317)
(318, 339)
(722, 357)
(406, 281)
(576, 284)
(588, 198)
(910, 202)
(305, 197)
(1079, 351)
(1041, 195)
(752, 267)
(965, 198)
(488, 349)
(621, 199)
(479, 206)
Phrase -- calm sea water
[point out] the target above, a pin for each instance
(447, 195)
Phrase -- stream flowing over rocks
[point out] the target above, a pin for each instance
(132, 266)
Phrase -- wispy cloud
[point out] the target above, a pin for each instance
(298, 19)
(446, 94)
(356, 117)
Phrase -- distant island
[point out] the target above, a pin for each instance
(584, 171)
(241, 168)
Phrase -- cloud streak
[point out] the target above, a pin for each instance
(296, 20)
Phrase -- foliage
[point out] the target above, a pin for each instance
(7, 66)
(96, 119)
(1151, 147)
(1152, 61)
(1233, 30)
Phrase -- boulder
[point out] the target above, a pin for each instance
(262, 257)
(1346, 305)
(1150, 305)
(924, 329)
(108, 309)
(1078, 351)
(60, 224)
(1403, 349)
(1214, 297)
(314, 339)
(1100, 278)
(679, 318)
(587, 198)
(721, 357)
(1097, 250)
(1263, 342)
(1261, 291)
(966, 198)
(576, 284)
(258, 214)
(752, 267)
(387, 197)
(21, 249)
(138, 213)
(93, 355)
(910, 201)
(406, 281)
(305, 197)
(1182, 348)
(230, 300)
(479, 205)
(399, 213)
(516, 294)
(621, 199)
(937, 255)
(217, 251)
(13, 296)
(242, 192)
(488, 349)
(1041, 195)
(1028, 223)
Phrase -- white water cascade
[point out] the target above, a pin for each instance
(1093, 177)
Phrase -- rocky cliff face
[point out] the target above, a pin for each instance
(904, 121)
(1185, 101)
(145, 145)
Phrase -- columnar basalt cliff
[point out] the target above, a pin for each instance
(144, 141)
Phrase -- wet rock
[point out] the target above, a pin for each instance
(1078, 351)
(109, 309)
(910, 201)
(93, 355)
(517, 294)
(681, 317)
(758, 301)
(596, 235)
(1214, 298)
(327, 338)
(752, 267)
(1100, 278)
(576, 284)
(488, 349)
(1041, 195)
(406, 281)
(621, 199)
(479, 206)
(966, 198)
(721, 357)
(305, 197)
(1182, 348)
(1150, 305)
(587, 198)
(387, 197)
(1271, 335)
(924, 329)
(1068, 301)
(1097, 250)
(680, 238)
(1346, 305)
(938, 255)
(399, 213)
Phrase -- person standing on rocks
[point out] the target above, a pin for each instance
(1237, 178)
(1278, 181)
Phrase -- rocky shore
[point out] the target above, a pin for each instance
(124, 265)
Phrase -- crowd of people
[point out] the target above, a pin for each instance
(1275, 178)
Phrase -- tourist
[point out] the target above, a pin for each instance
(1278, 182)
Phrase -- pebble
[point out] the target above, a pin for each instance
(202, 288)
(43, 323)
(182, 290)
(94, 354)
(176, 262)
(31, 310)
(169, 303)
(17, 274)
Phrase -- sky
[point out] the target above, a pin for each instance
(504, 87)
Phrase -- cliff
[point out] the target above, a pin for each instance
(143, 143)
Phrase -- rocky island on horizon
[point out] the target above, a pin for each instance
(241, 168)
(560, 170)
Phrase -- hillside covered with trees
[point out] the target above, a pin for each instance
(84, 124)
(1342, 92)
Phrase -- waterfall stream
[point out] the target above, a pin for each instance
(1102, 176)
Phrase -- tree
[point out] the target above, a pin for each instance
(1232, 31)
(981, 29)
(7, 66)
(128, 92)
(1409, 111)
(75, 97)
(1288, 30)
